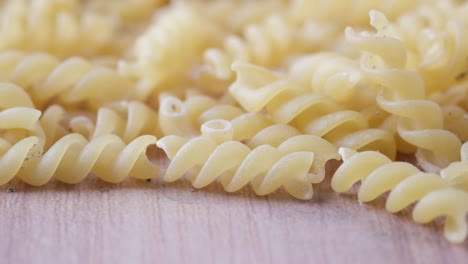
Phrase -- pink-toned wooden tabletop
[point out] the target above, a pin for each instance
(150, 222)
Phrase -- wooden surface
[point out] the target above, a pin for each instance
(148, 222)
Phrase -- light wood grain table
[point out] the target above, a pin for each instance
(149, 222)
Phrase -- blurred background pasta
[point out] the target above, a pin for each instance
(259, 94)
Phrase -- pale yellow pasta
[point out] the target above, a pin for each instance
(72, 158)
(291, 103)
(407, 184)
(53, 26)
(262, 93)
(126, 119)
(161, 53)
(346, 12)
(267, 44)
(436, 32)
(18, 115)
(421, 120)
(266, 168)
(236, 15)
(335, 75)
(457, 172)
(71, 81)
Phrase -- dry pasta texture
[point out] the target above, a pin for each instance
(288, 102)
(421, 120)
(53, 26)
(72, 158)
(215, 156)
(407, 184)
(72, 81)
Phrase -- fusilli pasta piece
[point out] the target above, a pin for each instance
(126, 119)
(333, 74)
(266, 44)
(436, 32)
(235, 165)
(407, 184)
(457, 172)
(72, 158)
(74, 80)
(421, 120)
(53, 26)
(291, 103)
(161, 53)
(20, 117)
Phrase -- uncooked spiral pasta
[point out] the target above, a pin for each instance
(161, 54)
(18, 115)
(457, 172)
(267, 44)
(126, 119)
(437, 34)
(335, 75)
(407, 184)
(53, 26)
(266, 93)
(266, 168)
(421, 122)
(73, 80)
(288, 102)
(72, 158)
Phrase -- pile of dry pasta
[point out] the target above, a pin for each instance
(260, 93)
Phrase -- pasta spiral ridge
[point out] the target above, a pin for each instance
(72, 158)
(252, 129)
(53, 26)
(20, 117)
(266, 44)
(161, 55)
(436, 32)
(288, 102)
(330, 73)
(457, 172)
(16, 108)
(404, 95)
(235, 165)
(72, 81)
(126, 119)
(407, 184)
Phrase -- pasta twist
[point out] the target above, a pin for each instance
(421, 120)
(72, 81)
(20, 117)
(72, 158)
(437, 33)
(334, 75)
(236, 15)
(407, 184)
(161, 54)
(53, 26)
(291, 103)
(235, 165)
(126, 119)
(265, 44)
(252, 129)
(16, 108)
(457, 172)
